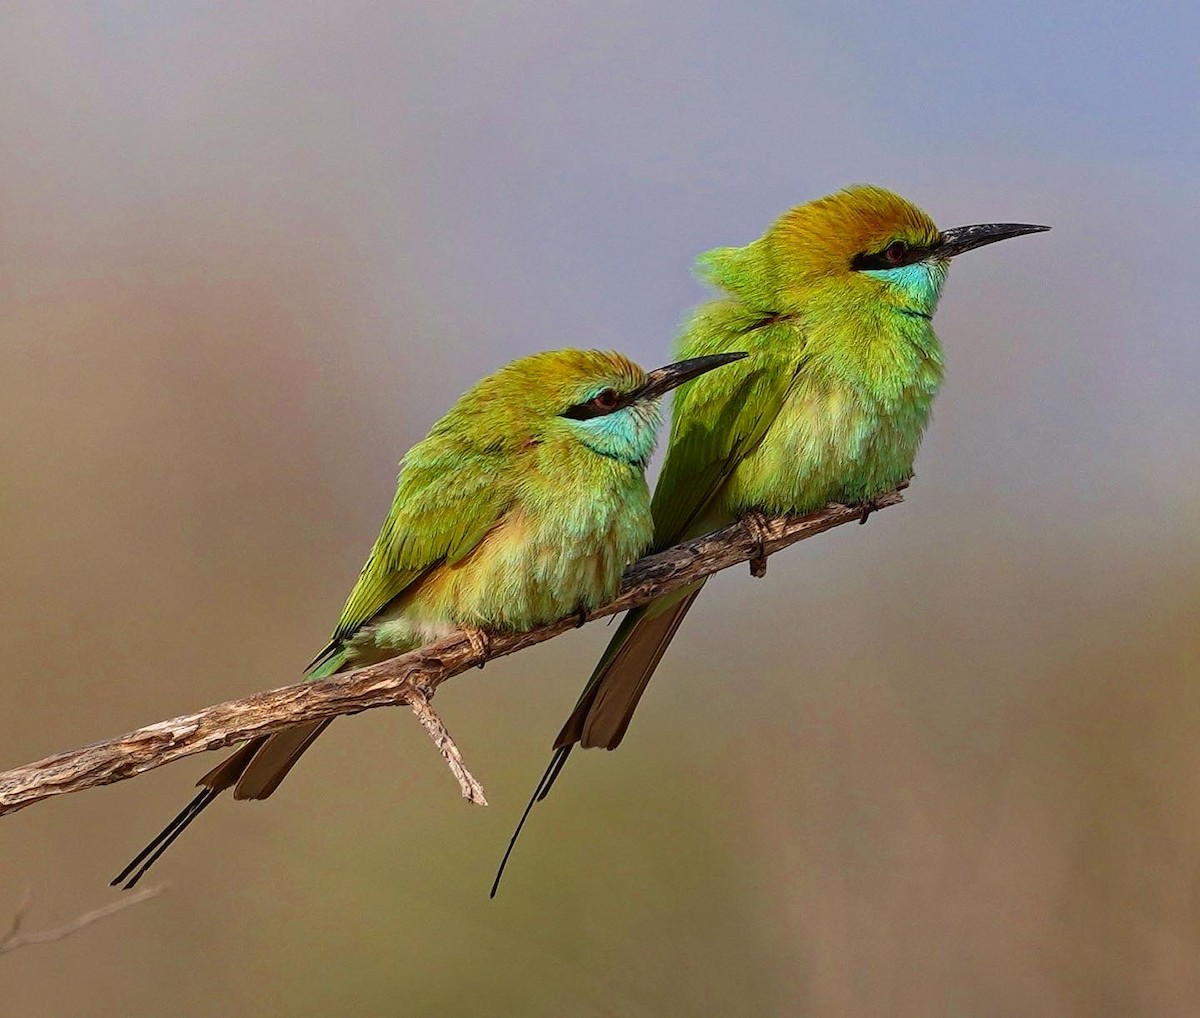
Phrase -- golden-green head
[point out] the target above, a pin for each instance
(861, 244)
(597, 400)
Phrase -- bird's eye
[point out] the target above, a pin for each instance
(897, 253)
(605, 400)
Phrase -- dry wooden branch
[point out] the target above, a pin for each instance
(14, 938)
(472, 790)
(405, 679)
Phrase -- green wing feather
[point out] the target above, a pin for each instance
(718, 419)
(715, 423)
(449, 494)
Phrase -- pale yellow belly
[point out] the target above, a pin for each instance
(524, 573)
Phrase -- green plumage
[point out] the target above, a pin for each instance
(834, 304)
(523, 504)
(488, 501)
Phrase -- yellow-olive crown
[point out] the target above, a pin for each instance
(825, 236)
(819, 242)
(516, 403)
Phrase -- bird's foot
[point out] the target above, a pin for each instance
(757, 524)
(873, 504)
(480, 643)
(581, 614)
(867, 507)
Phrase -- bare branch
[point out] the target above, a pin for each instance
(472, 790)
(14, 939)
(405, 679)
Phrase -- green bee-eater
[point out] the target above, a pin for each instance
(834, 302)
(524, 503)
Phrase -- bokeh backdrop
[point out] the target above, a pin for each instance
(947, 763)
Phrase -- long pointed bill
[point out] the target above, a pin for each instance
(967, 238)
(664, 379)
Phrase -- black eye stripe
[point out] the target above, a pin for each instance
(605, 402)
(893, 255)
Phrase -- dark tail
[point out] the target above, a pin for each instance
(602, 715)
(603, 712)
(253, 772)
(221, 777)
(556, 764)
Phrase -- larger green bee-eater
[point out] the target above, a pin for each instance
(523, 504)
(834, 302)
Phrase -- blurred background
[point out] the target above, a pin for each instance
(948, 763)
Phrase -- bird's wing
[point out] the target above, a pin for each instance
(447, 498)
(712, 428)
(448, 495)
(718, 419)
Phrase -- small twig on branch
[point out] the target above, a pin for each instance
(472, 790)
(14, 938)
(402, 679)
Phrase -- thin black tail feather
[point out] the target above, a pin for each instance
(162, 841)
(543, 789)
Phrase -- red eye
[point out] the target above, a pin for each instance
(605, 400)
(896, 252)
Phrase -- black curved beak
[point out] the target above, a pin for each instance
(664, 379)
(967, 238)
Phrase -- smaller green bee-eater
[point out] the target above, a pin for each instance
(835, 302)
(523, 504)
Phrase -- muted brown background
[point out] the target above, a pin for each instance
(947, 763)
